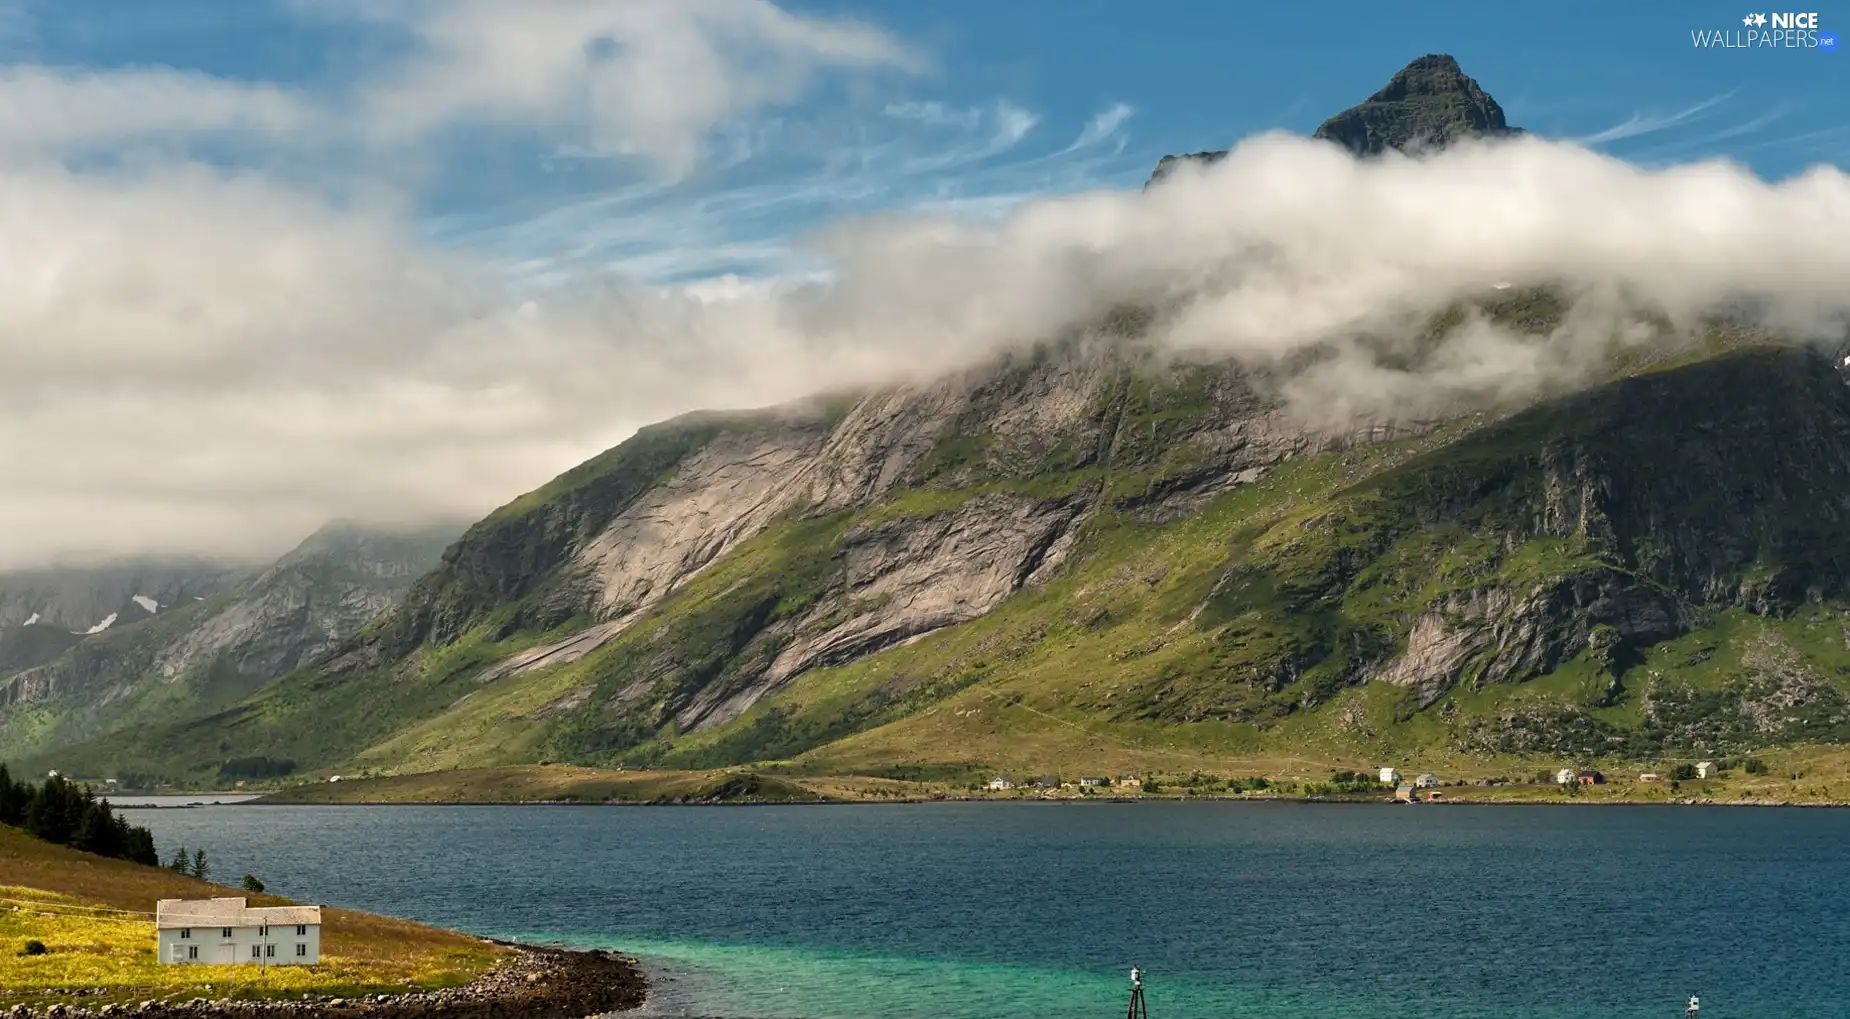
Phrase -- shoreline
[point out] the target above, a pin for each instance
(542, 982)
(1051, 800)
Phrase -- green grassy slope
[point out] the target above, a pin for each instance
(1631, 573)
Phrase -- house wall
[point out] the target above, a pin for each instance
(217, 950)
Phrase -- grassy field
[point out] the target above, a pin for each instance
(89, 913)
(1804, 775)
(533, 783)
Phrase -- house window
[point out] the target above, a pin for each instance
(227, 933)
(263, 931)
(269, 951)
(256, 951)
(192, 951)
(301, 929)
(186, 932)
(301, 951)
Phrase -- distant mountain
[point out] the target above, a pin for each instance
(177, 653)
(79, 598)
(1429, 104)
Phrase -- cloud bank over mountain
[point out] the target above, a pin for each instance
(202, 357)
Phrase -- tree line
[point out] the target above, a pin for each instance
(68, 814)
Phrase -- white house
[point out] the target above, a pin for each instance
(1001, 784)
(225, 931)
(1390, 777)
(1426, 782)
(1706, 770)
(1567, 776)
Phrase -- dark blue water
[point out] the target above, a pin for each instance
(987, 911)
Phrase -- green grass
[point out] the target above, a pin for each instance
(553, 784)
(73, 902)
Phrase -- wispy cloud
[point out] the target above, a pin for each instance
(1104, 125)
(642, 78)
(977, 161)
(1711, 141)
(1651, 123)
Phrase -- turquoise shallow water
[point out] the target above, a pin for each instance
(1257, 911)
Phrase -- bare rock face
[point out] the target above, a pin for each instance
(908, 577)
(1490, 635)
(726, 492)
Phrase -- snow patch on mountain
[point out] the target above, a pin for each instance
(147, 603)
(108, 621)
(33, 618)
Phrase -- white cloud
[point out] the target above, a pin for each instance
(1104, 125)
(647, 78)
(52, 109)
(199, 361)
(1651, 123)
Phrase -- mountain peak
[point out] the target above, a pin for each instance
(1427, 104)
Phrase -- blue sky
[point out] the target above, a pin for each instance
(1011, 100)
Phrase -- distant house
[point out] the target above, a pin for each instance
(227, 931)
(1390, 777)
(1131, 781)
(1001, 784)
(1591, 778)
(1649, 776)
(1047, 782)
(1567, 776)
(1426, 782)
(1706, 769)
(1404, 794)
(1094, 783)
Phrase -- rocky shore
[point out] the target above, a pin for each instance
(541, 983)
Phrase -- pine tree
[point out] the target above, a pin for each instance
(92, 834)
(200, 870)
(12, 799)
(139, 846)
(179, 862)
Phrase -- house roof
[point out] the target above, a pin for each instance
(229, 912)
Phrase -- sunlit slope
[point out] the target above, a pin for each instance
(1650, 567)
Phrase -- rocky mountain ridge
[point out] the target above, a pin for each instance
(1428, 104)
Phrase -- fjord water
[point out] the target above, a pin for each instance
(992, 911)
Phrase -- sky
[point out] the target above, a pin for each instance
(274, 261)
